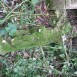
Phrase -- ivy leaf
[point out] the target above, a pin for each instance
(11, 28)
(2, 32)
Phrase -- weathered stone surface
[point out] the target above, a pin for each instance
(58, 4)
(64, 4)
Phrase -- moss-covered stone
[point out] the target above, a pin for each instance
(43, 37)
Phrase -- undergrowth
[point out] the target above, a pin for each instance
(30, 49)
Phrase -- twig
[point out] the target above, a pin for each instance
(42, 53)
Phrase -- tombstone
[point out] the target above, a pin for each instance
(63, 4)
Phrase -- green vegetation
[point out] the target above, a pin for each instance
(35, 42)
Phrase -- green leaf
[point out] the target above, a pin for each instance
(2, 32)
(11, 28)
(15, 70)
(34, 2)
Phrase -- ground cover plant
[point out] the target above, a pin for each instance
(35, 41)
